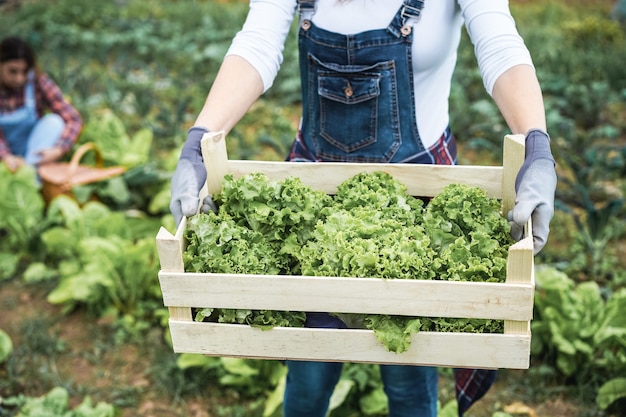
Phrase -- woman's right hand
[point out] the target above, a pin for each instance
(188, 179)
(13, 162)
(50, 155)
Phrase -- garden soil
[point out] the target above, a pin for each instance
(76, 354)
(72, 351)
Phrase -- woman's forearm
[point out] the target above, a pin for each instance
(237, 86)
(518, 96)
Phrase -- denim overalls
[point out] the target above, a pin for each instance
(18, 124)
(25, 133)
(358, 94)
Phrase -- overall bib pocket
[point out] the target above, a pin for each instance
(358, 111)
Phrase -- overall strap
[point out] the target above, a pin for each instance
(306, 9)
(408, 15)
(29, 90)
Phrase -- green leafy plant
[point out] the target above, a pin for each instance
(610, 392)
(101, 265)
(56, 404)
(579, 331)
(589, 193)
(6, 346)
(21, 217)
(108, 132)
(248, 377)
(141, 186)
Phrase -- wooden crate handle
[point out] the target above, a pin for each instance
(520, 260)
(520, 270)
(513, 157)
(170, 252)
(215, 155)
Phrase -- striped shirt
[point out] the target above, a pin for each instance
(48, 98)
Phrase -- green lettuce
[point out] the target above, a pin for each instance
(217, 244)
(370, 228)
(284, 212)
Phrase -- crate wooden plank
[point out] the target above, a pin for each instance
(521, 269)
(424, 298)
(427, 348)
(513, 154)
(421, 179)
(170, 250)
(424, 180)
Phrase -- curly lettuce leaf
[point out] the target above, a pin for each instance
(263, 319)
(284, 212)
(394, 332)
(469, 234)
(377, 189)
(362, 243)
(276, 209)
(217, 244)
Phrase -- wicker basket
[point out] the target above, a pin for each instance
(58, 178)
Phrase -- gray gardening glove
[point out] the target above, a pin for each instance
(535, 186)
(189, 177)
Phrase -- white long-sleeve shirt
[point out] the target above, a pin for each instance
(489, 24)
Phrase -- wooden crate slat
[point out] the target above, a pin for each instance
(513, 154)
(521, 270)
(421, 180)
(170, 250)
(426, 298)
(427, 348)
(213, 146)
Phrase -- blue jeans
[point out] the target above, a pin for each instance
(44, 135)
(411, 390)
(28, 140)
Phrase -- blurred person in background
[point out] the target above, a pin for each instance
(619, 11)
(37, 124)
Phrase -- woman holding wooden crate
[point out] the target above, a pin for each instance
(376, 78)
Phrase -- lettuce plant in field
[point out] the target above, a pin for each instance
(21, 217)
(578, 325)
(56, 403)
(100, 262)
(6, 346)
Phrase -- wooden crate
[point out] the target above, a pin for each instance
(511, 301)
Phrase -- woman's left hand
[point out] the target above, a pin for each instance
(535, 187)
(50, 155)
